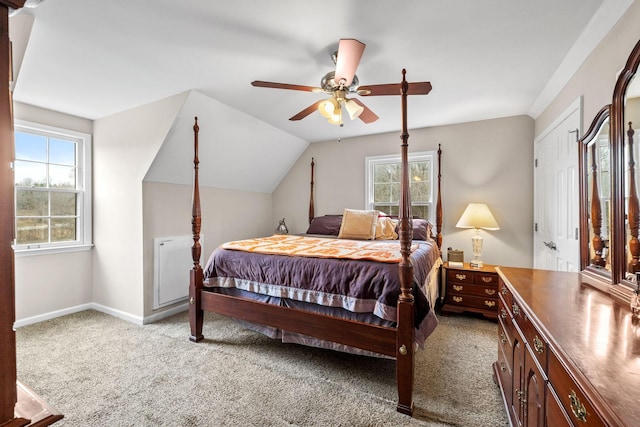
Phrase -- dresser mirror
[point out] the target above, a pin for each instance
(610, 185)
(625, 179)
(595, 167)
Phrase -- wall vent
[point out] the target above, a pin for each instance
(171, 264)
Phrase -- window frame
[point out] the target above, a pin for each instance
(84, 228)
(371, 161)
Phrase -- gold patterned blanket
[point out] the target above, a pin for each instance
(321, 247)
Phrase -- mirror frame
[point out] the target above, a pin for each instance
(585, 208)
(616, 282)
(618, 135)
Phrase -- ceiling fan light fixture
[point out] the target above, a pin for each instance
(353, 109)
(328, 107)
(336, 117)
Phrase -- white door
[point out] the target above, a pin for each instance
(556, 194)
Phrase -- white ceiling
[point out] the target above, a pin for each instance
(485, 59)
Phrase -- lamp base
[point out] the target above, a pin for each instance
(476, 263)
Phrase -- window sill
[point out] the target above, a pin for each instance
(51, 250)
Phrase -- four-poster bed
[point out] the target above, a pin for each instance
(412, 316)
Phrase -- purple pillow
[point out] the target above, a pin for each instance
(327, 225)
(421, 229)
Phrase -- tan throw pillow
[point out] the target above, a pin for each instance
(386, 229)
(358, 224)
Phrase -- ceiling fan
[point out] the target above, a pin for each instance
(342, 82)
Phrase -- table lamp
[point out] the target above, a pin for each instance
(477, 215)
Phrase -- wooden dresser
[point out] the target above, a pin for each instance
(568, 354)
(471, 289)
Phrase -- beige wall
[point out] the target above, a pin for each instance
(60, 281)
(125, 145)
(596, 78)
(487, 161)
(226, 215)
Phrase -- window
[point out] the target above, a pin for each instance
(383, 184)
(52, 189)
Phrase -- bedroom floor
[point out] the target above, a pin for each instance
(102, 371)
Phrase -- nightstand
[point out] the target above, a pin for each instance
(471, 290)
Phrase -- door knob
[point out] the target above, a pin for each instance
(550, 245)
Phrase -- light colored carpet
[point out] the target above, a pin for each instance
(103, 371)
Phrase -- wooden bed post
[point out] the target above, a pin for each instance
(312, 210)
(405, 334)
(196, 314)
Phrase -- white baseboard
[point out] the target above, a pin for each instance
(166, 313)
(51, 315)
(103, 309)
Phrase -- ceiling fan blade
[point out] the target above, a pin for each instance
(349, 55)
(367, 115)
(259, 83)
(418, 88)
(304, 113)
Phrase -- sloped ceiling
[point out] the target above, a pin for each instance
(485, 59)
(228, 143)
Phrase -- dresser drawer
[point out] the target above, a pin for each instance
(505, 373)
(505, 343)
(505, 294)
(472, 301)
(459, 276)
(556, 415)
(506, 325)
(477, 290)
(538, 345)
(572, 399)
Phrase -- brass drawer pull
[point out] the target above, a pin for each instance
(516, 309)
(503, 338)
(490, 291)
(503, 313)
(461, 276)
(538, 345)
(521, 397)
(457, 299)
(490, 303)
(458, 288)
(486, 279)
(505, 291)
(503, 367)
(577, 407)
(403, 350)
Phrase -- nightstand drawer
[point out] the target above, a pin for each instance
(485, 279)
(477, 290)
(472, 301)
(459, 276)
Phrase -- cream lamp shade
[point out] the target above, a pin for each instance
(477, 215)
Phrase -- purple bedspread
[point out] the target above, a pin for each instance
(357, 286)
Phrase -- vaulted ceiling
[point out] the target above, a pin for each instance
(485, 59)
